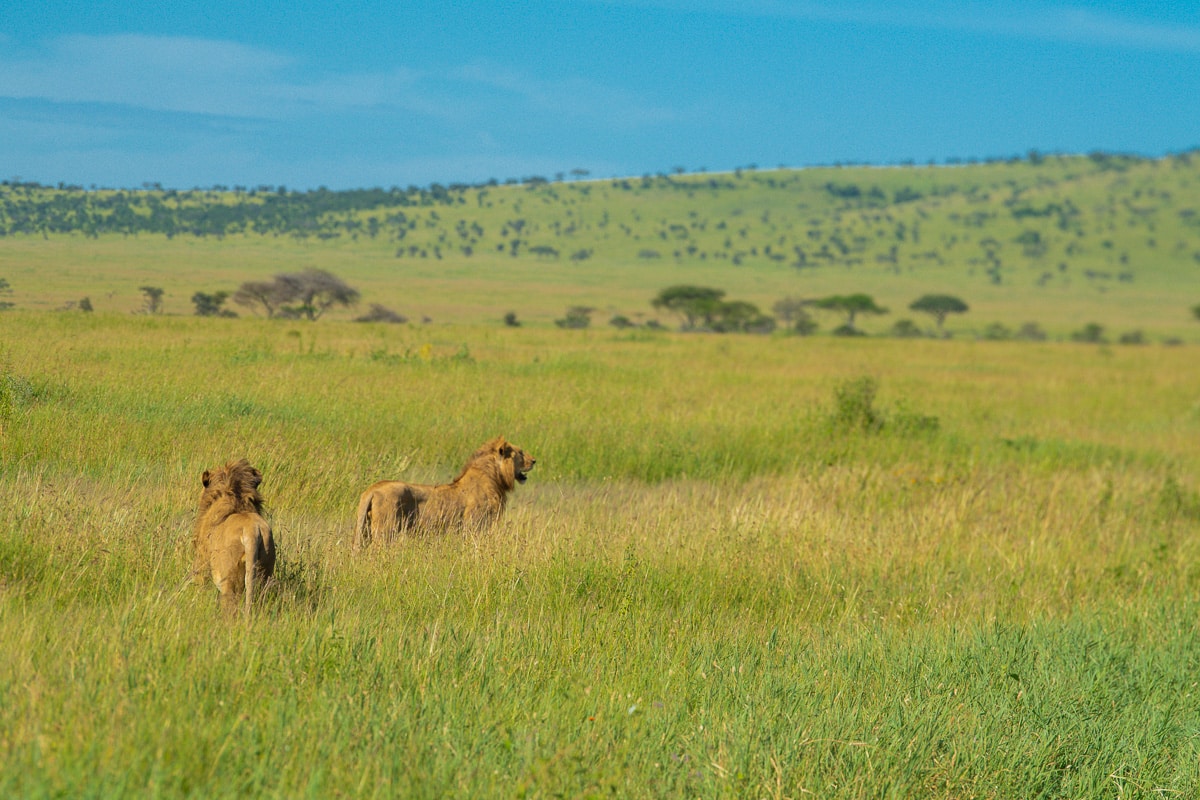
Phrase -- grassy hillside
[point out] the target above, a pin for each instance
(1061, 241)
(734, 572)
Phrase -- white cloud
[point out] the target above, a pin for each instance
(223, 78)
(571, 97)
(1063, 23)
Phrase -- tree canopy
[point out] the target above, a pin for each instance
(939, 306)
(311, 293)
(851, 305)
(693, 303)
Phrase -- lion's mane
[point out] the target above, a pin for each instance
(232, 541)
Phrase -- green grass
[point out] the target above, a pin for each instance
(710, 586)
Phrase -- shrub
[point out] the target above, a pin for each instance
(577, 317)
(906, 329)
(805, 326)
(510, 319)
(1132, 337)
(854, 405)
(1092, 333)
(854, 411)
(997, 332)
(211, 305)
(379, 313)
(1031, 332)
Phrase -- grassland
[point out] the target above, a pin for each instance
(1061, 241)
(719, 581)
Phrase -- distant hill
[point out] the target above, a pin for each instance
(1077, 226)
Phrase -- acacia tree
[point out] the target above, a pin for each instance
(313, 292)
(693, 303)
(271, 295)
(793, 312)
(153, 296)
(939, 306)
(741, 317)
(318, 291)
(851, 305)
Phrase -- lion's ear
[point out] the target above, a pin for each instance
(506, 450)
(205, 478)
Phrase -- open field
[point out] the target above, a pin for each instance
(733, 572)
(1061, 241)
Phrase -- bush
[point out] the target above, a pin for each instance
(854, 406)
(621, 322)
(510, 319)
(1092, 333)
(1031, 332)
(212, 305)
(854, 411)
(997, 332)
(847, 330)
(805, 326)
(1132, 337)
(577, 317)
(906, 329)
(380, 313)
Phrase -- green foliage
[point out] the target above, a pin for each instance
(854, 406)
(939, 306)
(5, 289)
(510, 319)
(851, 305)
(906, 329)
(695, 304)
(576, 317)
(152, 297)
(1031, 332)
(703, 308)
(209, 305)
(1092, 333)
(997, 332)
(854, 411)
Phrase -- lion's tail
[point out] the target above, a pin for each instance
(362, 526)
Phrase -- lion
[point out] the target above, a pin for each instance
(232, 541)
(474, 499)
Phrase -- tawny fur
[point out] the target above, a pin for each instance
(232, 541)
(475, 498)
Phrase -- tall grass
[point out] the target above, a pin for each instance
(709, 585)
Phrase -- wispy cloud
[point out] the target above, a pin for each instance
(1062, 23)
(199, 76)
(571, 97)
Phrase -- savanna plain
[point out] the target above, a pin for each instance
(744, 566)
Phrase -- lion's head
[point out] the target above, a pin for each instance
(234, 485)
(503, 459)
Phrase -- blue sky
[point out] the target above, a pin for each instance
(306, 94)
